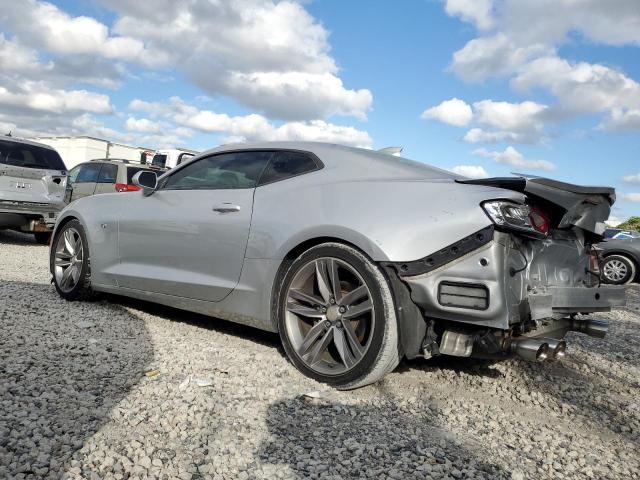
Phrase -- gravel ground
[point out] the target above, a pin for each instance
(75, 401)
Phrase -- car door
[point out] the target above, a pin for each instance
(106, 182)
(83, 180)
(189, 237)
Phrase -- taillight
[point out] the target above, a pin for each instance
(539, 220)
(123, 187)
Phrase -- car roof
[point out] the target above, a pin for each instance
(24, 141)
(131, 163)
(352, 162)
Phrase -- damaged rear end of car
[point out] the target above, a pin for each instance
(517, 286)
(33, 187)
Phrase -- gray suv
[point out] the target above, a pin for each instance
(33, 180)
(103, 175)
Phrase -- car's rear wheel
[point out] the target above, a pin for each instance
(70, 262)
(618, 270)
(43, 238)
(336, 317)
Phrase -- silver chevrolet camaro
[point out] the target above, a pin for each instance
(356, 258)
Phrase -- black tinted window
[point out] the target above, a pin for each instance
(88, 173)
(288, 164)
(108, 173)
(222, 171)
(29, 156)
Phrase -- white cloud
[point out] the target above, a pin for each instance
(631, 178)
(580, 87)
(143, 125)
(479, 135)
(510, 156)
(285, 69)
(39, 97)
(521, 39)
(613, 221)
(43, 25)
(471, 171)
(632, 197)
(494, 56)
(621, 120)
(498, 121)
(477, 12)
(454, 112)
(271, 56)
(252, 127)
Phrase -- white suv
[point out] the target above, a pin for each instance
(33, 180)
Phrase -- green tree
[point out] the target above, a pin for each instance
(632, 224)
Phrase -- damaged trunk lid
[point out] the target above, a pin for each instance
(571, 205)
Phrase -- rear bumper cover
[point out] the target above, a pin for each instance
(29, 216)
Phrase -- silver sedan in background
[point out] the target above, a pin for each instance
(356, 258)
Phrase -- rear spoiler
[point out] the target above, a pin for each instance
(584, 207)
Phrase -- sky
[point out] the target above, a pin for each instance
(480, 87)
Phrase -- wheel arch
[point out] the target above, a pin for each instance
(411, 325)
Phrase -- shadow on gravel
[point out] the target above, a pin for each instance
(589, 397)
(470, 366)
(382, 440)
(268, 339)
(9, 237)
(64, 366)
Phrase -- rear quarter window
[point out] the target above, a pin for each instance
(288, 164)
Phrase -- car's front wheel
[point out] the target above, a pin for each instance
(618, 270)
(70, 265)
(336, 317)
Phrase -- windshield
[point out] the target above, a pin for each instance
(29, 156)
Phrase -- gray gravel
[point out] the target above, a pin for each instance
(75, 401)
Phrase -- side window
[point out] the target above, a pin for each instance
(232, 170)
(88, 173)
(286, 165)
(73, 174)
(108, 173)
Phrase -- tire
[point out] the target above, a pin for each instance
(359, 331)
(77, 284)
(43, 238)
(618, 270)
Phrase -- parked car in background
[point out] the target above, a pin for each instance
(357, 258)
(33, 179)
(171, 158)
(620, 252)
(103, 175)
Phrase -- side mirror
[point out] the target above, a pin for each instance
(146, 180)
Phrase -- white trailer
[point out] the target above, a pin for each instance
(76, 150)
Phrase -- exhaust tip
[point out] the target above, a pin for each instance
(557, 348)
(531, 349)
(542, 353)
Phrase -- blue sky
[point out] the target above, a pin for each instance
(485, 87)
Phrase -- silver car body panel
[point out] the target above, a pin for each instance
(170, 247)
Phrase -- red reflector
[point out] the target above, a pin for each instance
(540, 220)
(123, 187)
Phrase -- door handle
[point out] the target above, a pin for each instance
(226, 208)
